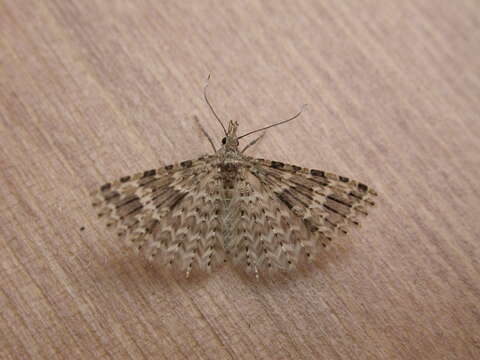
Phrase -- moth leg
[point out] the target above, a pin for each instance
(204, 132)
(253, 142)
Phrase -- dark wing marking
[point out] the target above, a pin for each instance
(167, 212)
(327, 203)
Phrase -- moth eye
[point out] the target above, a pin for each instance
(224, 140)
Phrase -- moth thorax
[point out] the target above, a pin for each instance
(229, 166)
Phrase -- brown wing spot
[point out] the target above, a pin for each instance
(351, 193)
(124, 179)
(339, 201)
(296, 168)
(169, 167)
(283, 197)
(308, 224)
(177, 200)
(127, 201)
(343, 178)
(186, 164)
(277, 165)
(131, 212)
(149, 173)
(362, 187)
(105, 187)
(303, 190)
(112, 195)
(317, 173)
(333, 211)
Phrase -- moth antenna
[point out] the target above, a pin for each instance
(210, 105)
(279, 123)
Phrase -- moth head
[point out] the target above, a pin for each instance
(231, 141)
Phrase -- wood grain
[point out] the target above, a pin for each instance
(93, 90)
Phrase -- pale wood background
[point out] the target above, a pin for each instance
(93, 90)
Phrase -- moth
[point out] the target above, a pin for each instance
(260, 214)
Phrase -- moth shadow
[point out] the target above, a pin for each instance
(131, 270)
(128, 272)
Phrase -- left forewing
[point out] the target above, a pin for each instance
(326, 203)
(169, 211)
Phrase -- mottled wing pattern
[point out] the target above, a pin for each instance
(171, 213)
(325, 203)
(271, 216)
(260, 231)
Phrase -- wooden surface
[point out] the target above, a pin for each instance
(93, 90)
